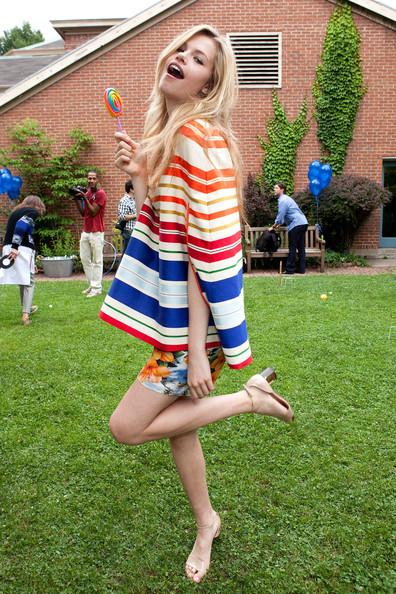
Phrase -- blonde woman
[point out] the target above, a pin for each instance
(179, 285)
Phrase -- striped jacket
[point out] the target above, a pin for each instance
(192, 216)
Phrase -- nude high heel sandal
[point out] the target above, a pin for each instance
(265, 401)
(196, 567)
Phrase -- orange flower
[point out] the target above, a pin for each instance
(152, 371)
(164, 356)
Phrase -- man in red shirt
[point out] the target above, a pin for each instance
(91, 206)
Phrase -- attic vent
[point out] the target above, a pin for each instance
(258, 57)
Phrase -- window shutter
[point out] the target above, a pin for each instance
(258, 57)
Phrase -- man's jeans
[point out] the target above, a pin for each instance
(296, 242)
(91, 254)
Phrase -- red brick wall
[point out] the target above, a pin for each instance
(73, 40)
(76, 100)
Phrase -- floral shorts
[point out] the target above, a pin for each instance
(166, 373)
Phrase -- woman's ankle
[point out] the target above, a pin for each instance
(206, 519)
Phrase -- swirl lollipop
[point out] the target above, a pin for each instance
(113, 102)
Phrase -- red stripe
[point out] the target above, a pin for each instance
(151, 225)
(195, 185)
(213, 257)
(172, 199)
(224, 242)
(243, 364)
(202, 173)
(173, 238)
(145, 338)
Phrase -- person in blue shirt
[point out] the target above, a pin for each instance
(290, 214)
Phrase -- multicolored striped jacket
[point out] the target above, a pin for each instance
(192, 216)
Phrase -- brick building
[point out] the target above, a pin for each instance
(69, 92)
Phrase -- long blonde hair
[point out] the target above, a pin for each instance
(215, 107)
(34, 202)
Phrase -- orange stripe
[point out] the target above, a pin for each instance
(199, 186)
(214, 215)
(195, 124)
(201, 173)
(204, 142)
(172, 200)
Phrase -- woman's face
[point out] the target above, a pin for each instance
(188, 71)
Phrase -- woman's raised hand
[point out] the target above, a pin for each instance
(128, 156)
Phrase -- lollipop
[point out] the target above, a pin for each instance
(113, 103)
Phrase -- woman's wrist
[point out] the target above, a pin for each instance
(195, 350)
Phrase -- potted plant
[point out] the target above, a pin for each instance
(57, 258)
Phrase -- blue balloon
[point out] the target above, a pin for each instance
(314, 170)
(325, 175)
(16, 185)
(13, 194)
(314, 187)
(5, 180)
(16, 182)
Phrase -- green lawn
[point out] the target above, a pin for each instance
(305, 508)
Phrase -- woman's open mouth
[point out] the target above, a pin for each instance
(175, 70)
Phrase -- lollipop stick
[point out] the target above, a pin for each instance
(119, 123)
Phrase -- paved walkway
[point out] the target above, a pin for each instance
(377, 266)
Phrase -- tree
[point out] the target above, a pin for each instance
(19, 37)
(48, 175)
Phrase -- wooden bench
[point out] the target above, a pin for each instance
(314, 245)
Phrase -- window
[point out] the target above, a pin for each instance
(258, 57)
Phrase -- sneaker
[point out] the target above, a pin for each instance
(94, 293)
(86, 291)
(33, 309)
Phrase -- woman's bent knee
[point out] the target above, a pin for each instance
(123, 433)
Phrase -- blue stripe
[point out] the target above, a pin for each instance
(169, 317)
(168, 270)
(222, 290)
(233, 337)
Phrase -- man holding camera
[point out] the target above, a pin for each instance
(91, 205)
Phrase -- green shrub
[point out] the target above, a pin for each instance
(260, 203)
(343, 205)
(47, 175)
(336, 259)
(64, 245)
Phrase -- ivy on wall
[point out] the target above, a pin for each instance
(339, 87)
(280, 151)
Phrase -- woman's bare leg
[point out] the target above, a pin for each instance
(144, 415)
(190, 463)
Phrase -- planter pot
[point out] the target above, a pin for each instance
(57, 266)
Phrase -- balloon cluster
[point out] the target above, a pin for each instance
(10, 184)
(319, 175)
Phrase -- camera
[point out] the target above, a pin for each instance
(120, 225)
(76, 190)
